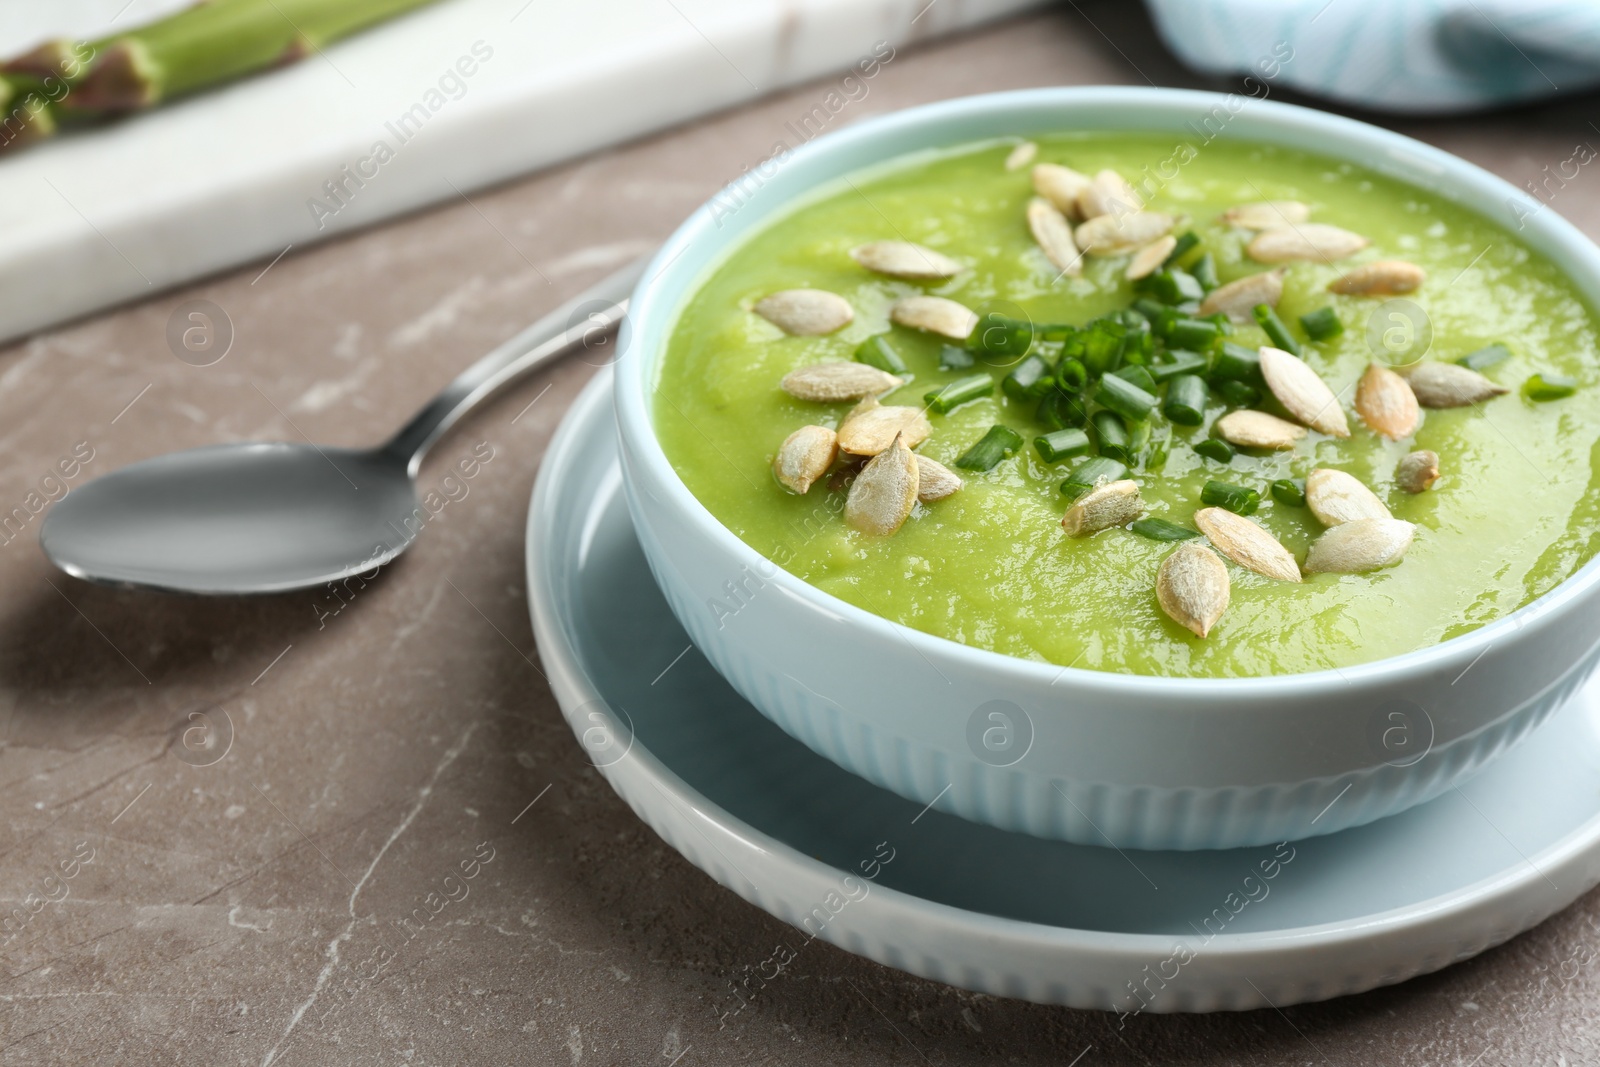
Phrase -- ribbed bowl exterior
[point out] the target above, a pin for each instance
(1076, 809)
(1090, 756)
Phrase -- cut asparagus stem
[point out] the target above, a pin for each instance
(28, 117)
(196, 48)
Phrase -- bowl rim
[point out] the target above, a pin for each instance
(652, 312)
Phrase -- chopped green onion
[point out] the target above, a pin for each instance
(1236, 498)
(1193, 334)
(1290, 492)
(1112, 434)
(1054, 331)
(1001, 336)
(1172, 286)
(1178, 362)
(992, 447)
(1186, 400)
(1321, 324)
(1275, 330)
(1123, 397)
(1162, 530)
(1150, 309)
(954, 357)
(1549, 387)
(1072, 375)
(1102, 345)
(1185, 245)
(958, 392)
(1138, 438)
(1205, 272)
(1030, 378)
(1215, 448)
(1059, 411)
(1138, 376)
(875, 352)
(1237, 394)
(1062, 444)
(1139, 340)
(1087, 474)
(1487, 356)
(1236, 363)
(1158, 451)
(1224, 324)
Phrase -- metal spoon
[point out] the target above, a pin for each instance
(268, 517)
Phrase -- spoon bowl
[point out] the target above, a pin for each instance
(241, 518)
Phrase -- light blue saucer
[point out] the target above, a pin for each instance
(1006, 913)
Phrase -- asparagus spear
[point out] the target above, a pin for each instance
(213, 42)
(26, 115)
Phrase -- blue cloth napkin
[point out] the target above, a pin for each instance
(1414, 56)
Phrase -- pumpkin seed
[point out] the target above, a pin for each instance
(1116, 235)
(1192, 587)
(1383, 278)
(1267, 214)
(1257, 429)
(935, 481)
(829, 383)
(1238, 298)
(1362, 545)
(1335, 498)
(1148, 259)
(1302, 392)
(1054, 233)
(805, 312)
(883, 494)
(805, 456)
(1108, 193)
(902, 259)
(935, 314)
(1021, 155)
(1417, 471)
(1386, 403)
(1313, 241)
(1247, 544)
(870, 427)
(1060, 185)
(1449, 385)
(1104, 506)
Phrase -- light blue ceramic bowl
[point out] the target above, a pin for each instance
(1089, 756)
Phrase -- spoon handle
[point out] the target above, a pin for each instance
(580, 323)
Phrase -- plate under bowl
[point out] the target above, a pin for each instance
(1008, 913)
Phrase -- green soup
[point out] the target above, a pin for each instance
(1514, 514)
